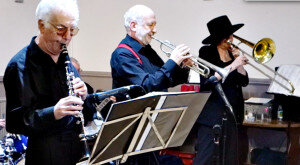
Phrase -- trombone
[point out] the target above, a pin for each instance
(200, 66)
(263, 51)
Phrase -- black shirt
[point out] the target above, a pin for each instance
(34, 83)
(153, 74)
(213, 110)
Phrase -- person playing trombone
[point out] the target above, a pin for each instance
(219, 52)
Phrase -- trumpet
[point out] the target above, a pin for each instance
(200, 66)
(263, 51)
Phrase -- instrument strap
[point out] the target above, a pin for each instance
(132, 51)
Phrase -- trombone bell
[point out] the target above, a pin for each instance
(264, 50)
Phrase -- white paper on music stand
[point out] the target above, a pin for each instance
(292, 73)
(163, 93)
(257, 100)
(148, 128)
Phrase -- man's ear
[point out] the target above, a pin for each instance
(41, 26)
(133, 26)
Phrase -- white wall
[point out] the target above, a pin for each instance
(17, 26)
(180, 21)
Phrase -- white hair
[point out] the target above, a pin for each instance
(46, 8)
(136, 14)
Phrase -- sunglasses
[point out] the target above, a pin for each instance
(61, 29)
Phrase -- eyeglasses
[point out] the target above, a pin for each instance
(152, 26)
(61, 29)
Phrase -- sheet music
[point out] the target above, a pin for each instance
(258, 100)
(163, 93)
(148, 128)
(292, 73)
(158, 106)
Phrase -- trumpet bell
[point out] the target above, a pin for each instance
(201, 66)
(264, 50)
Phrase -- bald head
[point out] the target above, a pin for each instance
(136, 14)
(140, 23)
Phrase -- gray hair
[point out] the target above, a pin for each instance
(136, 14)
(46, 8)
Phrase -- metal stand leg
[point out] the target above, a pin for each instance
(224, 130)
(155, 158)
(219, 89)
(217, 131)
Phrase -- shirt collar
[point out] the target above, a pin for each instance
(37, 54)
(134, 44)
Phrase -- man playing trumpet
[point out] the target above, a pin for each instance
(140, 64)
(135, 62)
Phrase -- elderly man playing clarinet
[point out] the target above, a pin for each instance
(38, 104)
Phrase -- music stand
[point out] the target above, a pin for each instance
(290, 72)
(283, 97)
(149, 123)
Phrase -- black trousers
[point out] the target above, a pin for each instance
(205, 147)
(54, 150)
(153, 158)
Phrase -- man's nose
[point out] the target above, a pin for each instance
(67, 35)
(154, 30)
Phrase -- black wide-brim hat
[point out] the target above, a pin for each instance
(219, 29)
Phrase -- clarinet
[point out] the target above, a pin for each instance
(70, 77)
